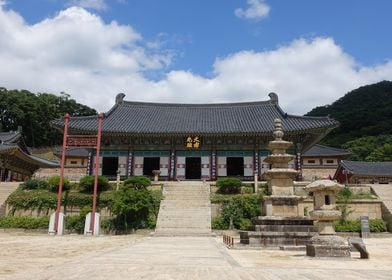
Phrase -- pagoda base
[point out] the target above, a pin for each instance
(283, 206)
(279, 231)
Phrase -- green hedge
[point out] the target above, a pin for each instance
(43, 200)
(54, 182)
(229, 185)
(86, 184)
(24, 222)
(137, 182)
(375, 225)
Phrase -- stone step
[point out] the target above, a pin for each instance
(185, 210)
(184, 230)
(6, 188)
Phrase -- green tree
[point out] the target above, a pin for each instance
(132, 208)
(34, 112)
(371, 148)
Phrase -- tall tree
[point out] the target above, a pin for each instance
(34, 112)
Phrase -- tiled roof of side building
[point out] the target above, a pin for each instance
(368, 168)
(73, 152)
(10, 137)
(229, 118)
(320, 150)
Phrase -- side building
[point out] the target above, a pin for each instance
(194, 141)
(16, 161)
(321, 162)
(361, 172)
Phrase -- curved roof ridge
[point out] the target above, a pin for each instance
(367, 162)
(228, 104)
(310, 117)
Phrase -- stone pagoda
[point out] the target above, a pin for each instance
(283, 222)
(281, 201)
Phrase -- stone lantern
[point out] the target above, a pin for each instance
(326, 244)
(156, 174)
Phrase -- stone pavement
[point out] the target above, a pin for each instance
(206, 258)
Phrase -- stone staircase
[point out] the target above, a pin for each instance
(384, 192)
(6, 188)
(185, 210)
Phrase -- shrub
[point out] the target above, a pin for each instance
(219, 223)
(76, 223)
(344, 195)
(137, 182)
(86, 184)
(241, 209)
(377, 225)
(53, 184)
(229, 185)
(247, 189)
(348, 226)
(34, 200)
(35, 184)
(24, 222)
(133, 208)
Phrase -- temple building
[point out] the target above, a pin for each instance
(361, 172)
(194, 141)
(321, 162)
(16, 161)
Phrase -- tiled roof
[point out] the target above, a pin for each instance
(368, 168)
(14, 150)
(73, 152)
(320, 150)
(227, 118)
(9, 137)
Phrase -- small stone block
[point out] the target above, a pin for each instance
(328, 251)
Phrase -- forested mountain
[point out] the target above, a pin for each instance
(34, 112)
(365, 116)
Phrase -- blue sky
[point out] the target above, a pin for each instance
(309, 52)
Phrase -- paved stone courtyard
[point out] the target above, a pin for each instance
(142, 257)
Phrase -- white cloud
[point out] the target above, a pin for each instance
(256, 10)
(76, 52)
(99, 5)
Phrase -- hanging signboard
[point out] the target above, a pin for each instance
(86, 141)
(192, 142)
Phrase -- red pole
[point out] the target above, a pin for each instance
(92, 220)
(66, 121)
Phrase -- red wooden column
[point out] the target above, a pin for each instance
(59, 194)
(92, 220)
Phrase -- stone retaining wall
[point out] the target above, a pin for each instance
(72, 173)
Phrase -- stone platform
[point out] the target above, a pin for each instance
(278, 231)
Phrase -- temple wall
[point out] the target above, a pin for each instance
(357, 208)
(311, 174)
(72, 173)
